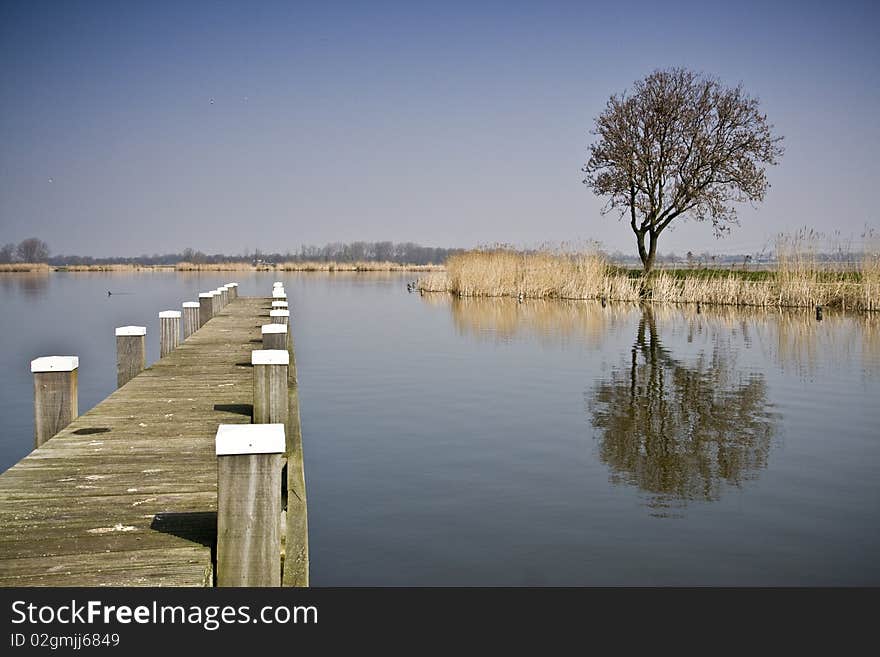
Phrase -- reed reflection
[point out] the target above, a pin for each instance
(503, 318)
(29, 284)
(681, 431)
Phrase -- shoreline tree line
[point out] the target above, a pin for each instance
(35, 250)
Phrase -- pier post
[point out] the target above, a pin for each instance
(249, 462)
(279, 294)
(270, 385)
(234, 290)
(131, 353)
(224, 295)
(206, 307)
(190, 318)
(217, 299)
(279, 305)
(818, 313)
(169, 331)
(56, 403)
(279, 316)
(274, 336)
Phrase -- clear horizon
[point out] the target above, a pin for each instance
(149, 129)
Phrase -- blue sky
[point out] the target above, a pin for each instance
(138, 128)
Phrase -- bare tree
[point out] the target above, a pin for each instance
(7, 253)
(33, 250)
(680, 145)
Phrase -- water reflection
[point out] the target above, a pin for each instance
(505, 318)
(790, 338)
(681, 431)
(30, 284)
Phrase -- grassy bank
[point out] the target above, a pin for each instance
(798, 281)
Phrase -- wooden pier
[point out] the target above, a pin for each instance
(126, 495)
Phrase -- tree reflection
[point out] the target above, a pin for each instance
(681, 431)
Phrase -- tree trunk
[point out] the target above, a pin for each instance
(643, 253)
(648, 255)
(652, 252)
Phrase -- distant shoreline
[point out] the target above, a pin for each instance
(44, 268)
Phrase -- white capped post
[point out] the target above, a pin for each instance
(56, 401)
(131, 353)
(218, 306)
(274, 336)
(249, 463)
(279, 316)
(270, 385)
(191, 310)
(278, 293)
(206, 307)
(281, 305)
(169, 331)
(224, 295)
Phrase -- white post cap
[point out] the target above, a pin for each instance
(273, 328)
(205, 295)
(277, 283)
(278, 294)
(215, 293)
(131, 330)
(234, 284)
(56, 363)
(279, 313)
(270, 357)
(169, 314)
(279, 304)
(191, 304)
(235, 439)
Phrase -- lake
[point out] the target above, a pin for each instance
(458, 441)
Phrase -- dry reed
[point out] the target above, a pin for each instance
(24, 267)
(799, 281)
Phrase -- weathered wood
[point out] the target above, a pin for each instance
(190, 318)
(217, 299)
(206, 308)
(233, 290)
(249, 460)
(279, 316)
(274, 336)
(296, 548)
(136, 476)
(224, 295)
(270, 386)
(131, 353)
(56, 401)
(169, 331)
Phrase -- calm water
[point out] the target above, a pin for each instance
(470, 442)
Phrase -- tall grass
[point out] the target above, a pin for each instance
(800, 280)
(216, 266)
(24, 267)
